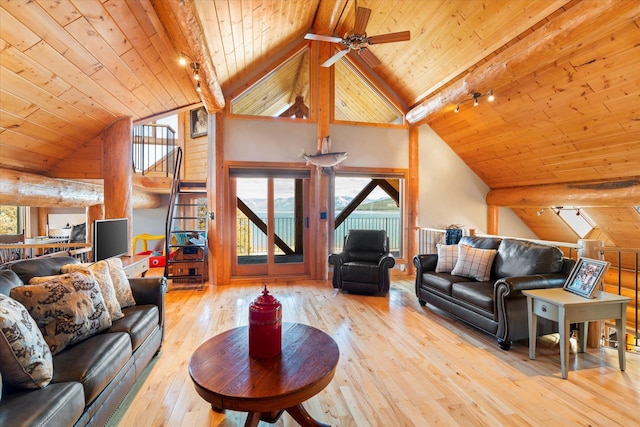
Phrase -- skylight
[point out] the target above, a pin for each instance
(576, 219)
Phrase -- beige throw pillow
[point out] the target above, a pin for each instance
(25, 359)
(120, 283)
(447, 258)
(101, 272)
(474, 263)
(67, 308)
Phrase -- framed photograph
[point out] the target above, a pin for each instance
(198, 122)
(585, 276)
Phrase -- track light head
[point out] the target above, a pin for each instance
(198, 88)
(491, 97)
(457, 110)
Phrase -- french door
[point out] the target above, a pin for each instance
(271, 227)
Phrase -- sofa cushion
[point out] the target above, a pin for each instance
(139, 321)
(25, 359)
(36, 267)
(120, 283)
(8, 281)
(440, 281)
(447, 258)
(94, 362)
(477, 294)
(67, 308)
(474, 263)
(481, 242)
(100, 270)
(53, 406)
(522, 258)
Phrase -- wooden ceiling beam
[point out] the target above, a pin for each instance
(542, 46)
(189, 29)
(25, 189)
(580, 194)
(328, 16)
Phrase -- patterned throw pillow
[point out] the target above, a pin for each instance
(67, 308)
(447, 258)
(100, 270)
(474, 263)
(25, 359)
(120, 283)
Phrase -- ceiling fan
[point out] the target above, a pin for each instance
(357, 40)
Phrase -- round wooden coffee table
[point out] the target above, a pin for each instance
(227, 377)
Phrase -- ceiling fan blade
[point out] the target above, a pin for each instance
(321, 38)
(335, 58)
(362, 18)
(368, 57)
(391, 37)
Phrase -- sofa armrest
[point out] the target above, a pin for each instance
(386, 261)
(425, 262)
(337, 258)
(150, 290)
(511, 287)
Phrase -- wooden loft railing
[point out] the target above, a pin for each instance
(621, 279)
(15, 251)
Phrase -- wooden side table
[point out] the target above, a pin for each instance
(227, 377)
(566, 308)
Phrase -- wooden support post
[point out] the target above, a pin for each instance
(412, 205)
(323, 181)
(117, 170)
(492, 220)
(43, 221)
(93, 212)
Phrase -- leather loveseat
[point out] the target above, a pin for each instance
(494, 303)
(90, 377)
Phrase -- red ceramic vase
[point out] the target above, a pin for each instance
(265, 326)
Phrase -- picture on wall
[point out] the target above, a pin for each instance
(198, 122)
(585, 276)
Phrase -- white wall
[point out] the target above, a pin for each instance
(271, 141)
(451, 193)
(268, 141)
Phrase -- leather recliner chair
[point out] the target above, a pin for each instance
(364, 263)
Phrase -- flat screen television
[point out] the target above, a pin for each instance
(110, 238)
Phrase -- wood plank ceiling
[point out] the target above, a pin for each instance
(564, 72)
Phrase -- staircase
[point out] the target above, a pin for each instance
(186, 232)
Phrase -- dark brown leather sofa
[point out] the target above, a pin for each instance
(496, 306)
(90, 378)
(364, 263)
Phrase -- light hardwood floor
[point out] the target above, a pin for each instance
(400, 365)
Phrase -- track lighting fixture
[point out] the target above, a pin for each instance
(541, 211)
(186, 59)
(474, 97)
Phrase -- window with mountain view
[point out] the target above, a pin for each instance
(369, 203)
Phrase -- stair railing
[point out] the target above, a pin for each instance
(175, 187)
(153, 148)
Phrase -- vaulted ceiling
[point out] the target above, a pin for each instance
(564, 73)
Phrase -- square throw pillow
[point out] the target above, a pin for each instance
(120, 283)
(25, 359)
(67, 308)
(474, 263)
(447, 258)
(100, 271)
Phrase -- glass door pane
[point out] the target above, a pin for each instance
(271, 225)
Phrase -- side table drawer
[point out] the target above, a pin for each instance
(545, 309)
